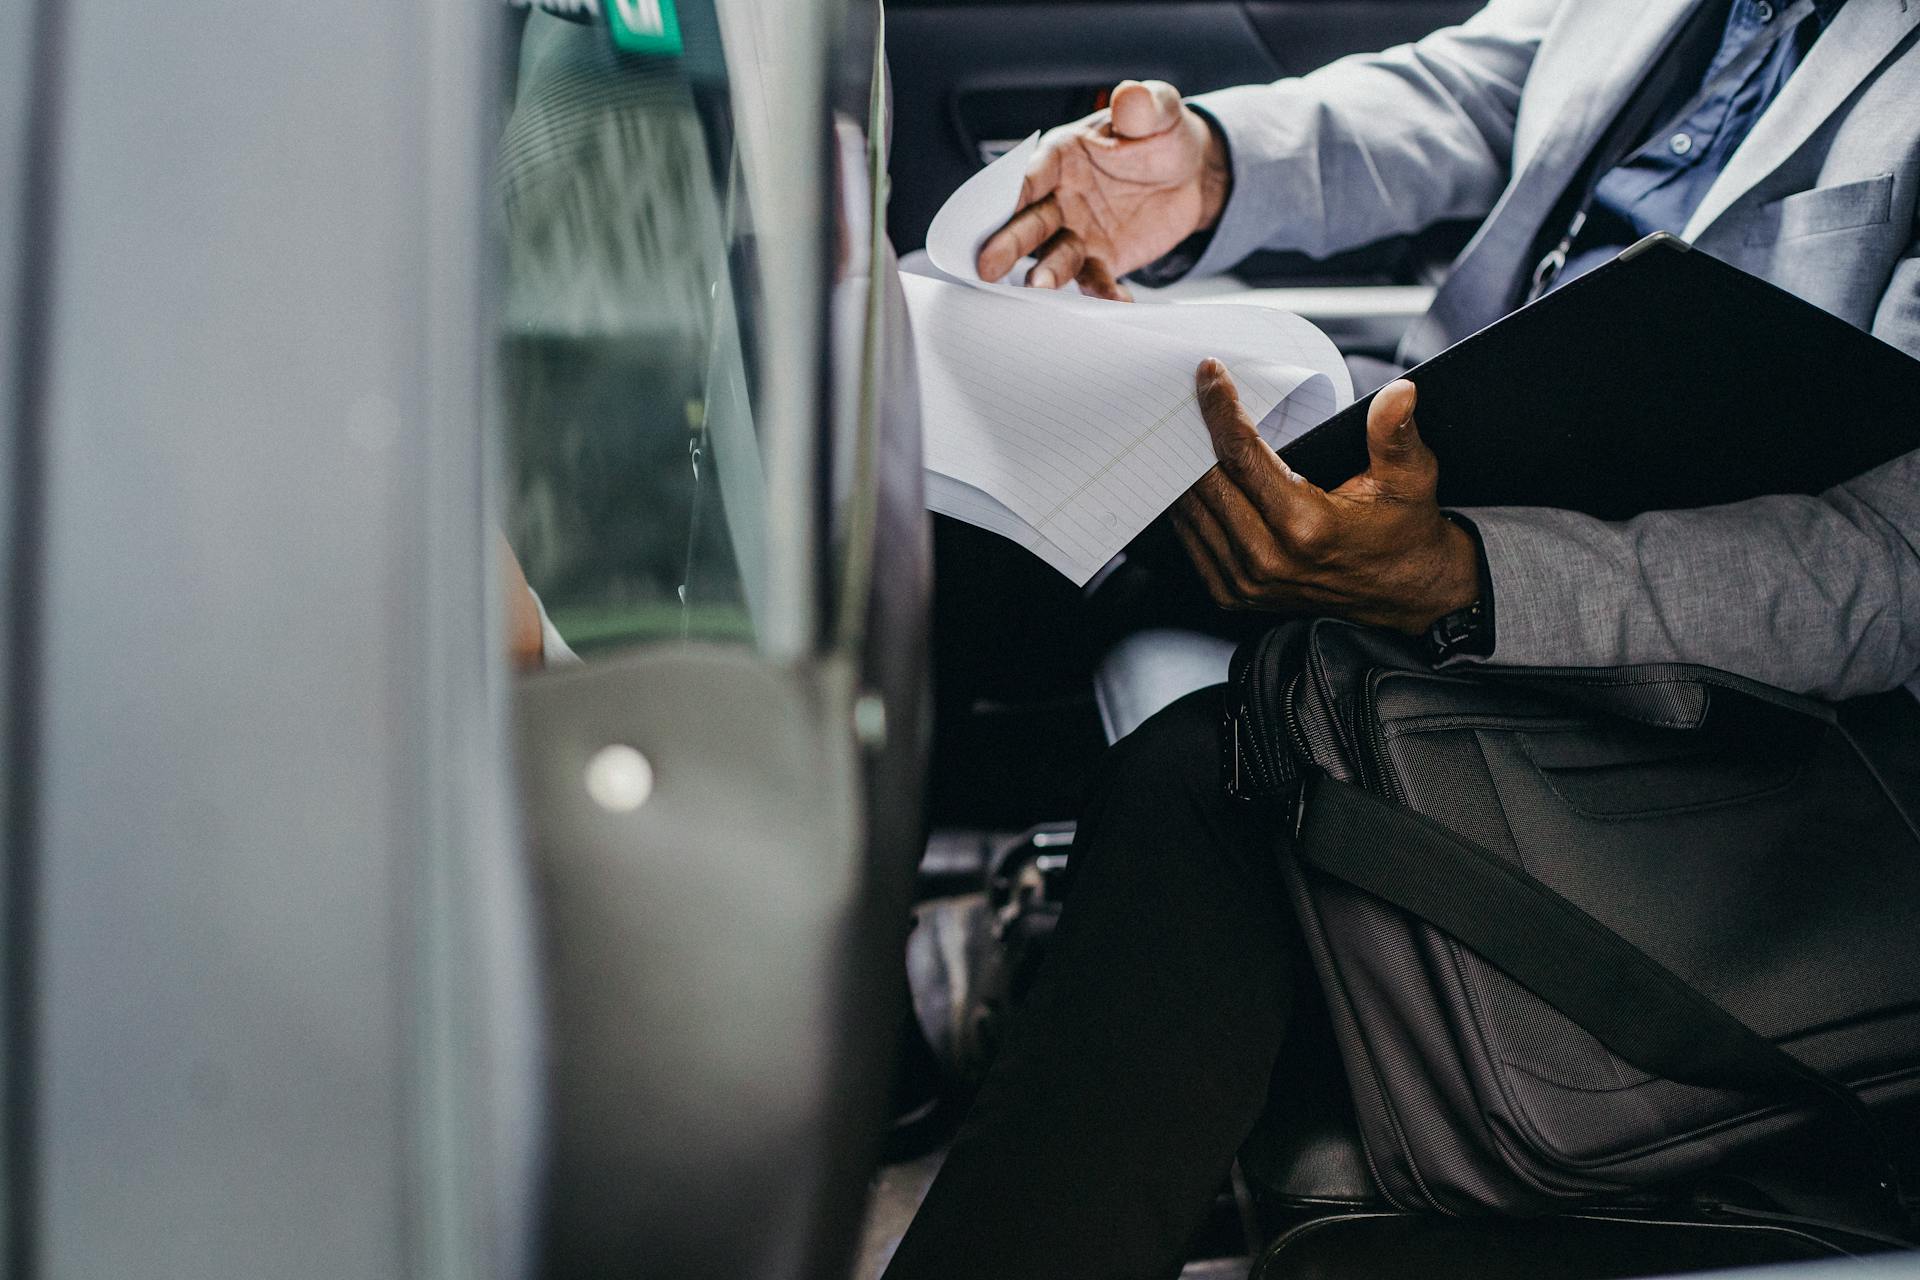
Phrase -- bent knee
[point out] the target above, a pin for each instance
(1174, 753)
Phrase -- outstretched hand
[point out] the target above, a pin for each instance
(1375, 550)
(1112, 192)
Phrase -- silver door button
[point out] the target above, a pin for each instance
(619, 778)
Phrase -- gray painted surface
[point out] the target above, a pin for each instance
(17, 51)
(261, 851)
(708, 962)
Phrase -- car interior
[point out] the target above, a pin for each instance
(333, 948)
(1029, 698)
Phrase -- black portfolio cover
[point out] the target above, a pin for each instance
(1664, 379)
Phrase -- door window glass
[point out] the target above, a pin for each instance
(637, 491)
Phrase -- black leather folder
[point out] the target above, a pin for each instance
(1664, 379)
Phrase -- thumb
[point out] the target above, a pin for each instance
(1142, 108)
(1397, 459)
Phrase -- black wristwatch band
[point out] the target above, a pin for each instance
(1466, 632)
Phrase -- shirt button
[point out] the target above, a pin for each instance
(1763, 11)
(1680, 144)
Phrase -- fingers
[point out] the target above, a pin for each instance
(1043, 171)
(1398, 460)
(1141, 109)
(1286, 502)
(1249, 556)
(1227, 419)
(1096, 281)
(1189, 519)
(1240, 521)
(1060, 260)
(1026, 231)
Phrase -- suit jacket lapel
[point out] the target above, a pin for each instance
(1479, 288)
(1590, 107)
(1862, 36)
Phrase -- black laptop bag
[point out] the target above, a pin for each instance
(1585, 932)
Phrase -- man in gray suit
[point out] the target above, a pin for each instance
(1781, 137)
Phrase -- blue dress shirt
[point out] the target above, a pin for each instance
(1658, 186)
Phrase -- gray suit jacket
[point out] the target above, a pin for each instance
(1491, 119)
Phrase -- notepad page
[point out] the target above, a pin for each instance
(1087, 432)
(956, 498)
(1265, 333)
(982, 204)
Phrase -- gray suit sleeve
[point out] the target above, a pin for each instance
(1820, 595)
(1375, 145)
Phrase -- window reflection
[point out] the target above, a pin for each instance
(637, 498)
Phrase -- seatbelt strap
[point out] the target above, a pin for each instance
(1628, 1001)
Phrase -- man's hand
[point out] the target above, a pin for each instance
(1108, 194)
(1375, 550)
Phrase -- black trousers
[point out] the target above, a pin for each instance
(1142, 1058)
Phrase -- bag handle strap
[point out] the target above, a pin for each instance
(1628, 1001)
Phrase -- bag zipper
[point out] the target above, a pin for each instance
(1269, 773)
(1374, 758)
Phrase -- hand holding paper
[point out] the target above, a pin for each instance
(1112, 192)
(1068, 424)
(1376, 549)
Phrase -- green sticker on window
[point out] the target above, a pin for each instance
(644, 26)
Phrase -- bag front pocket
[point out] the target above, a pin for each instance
(1605, 771)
